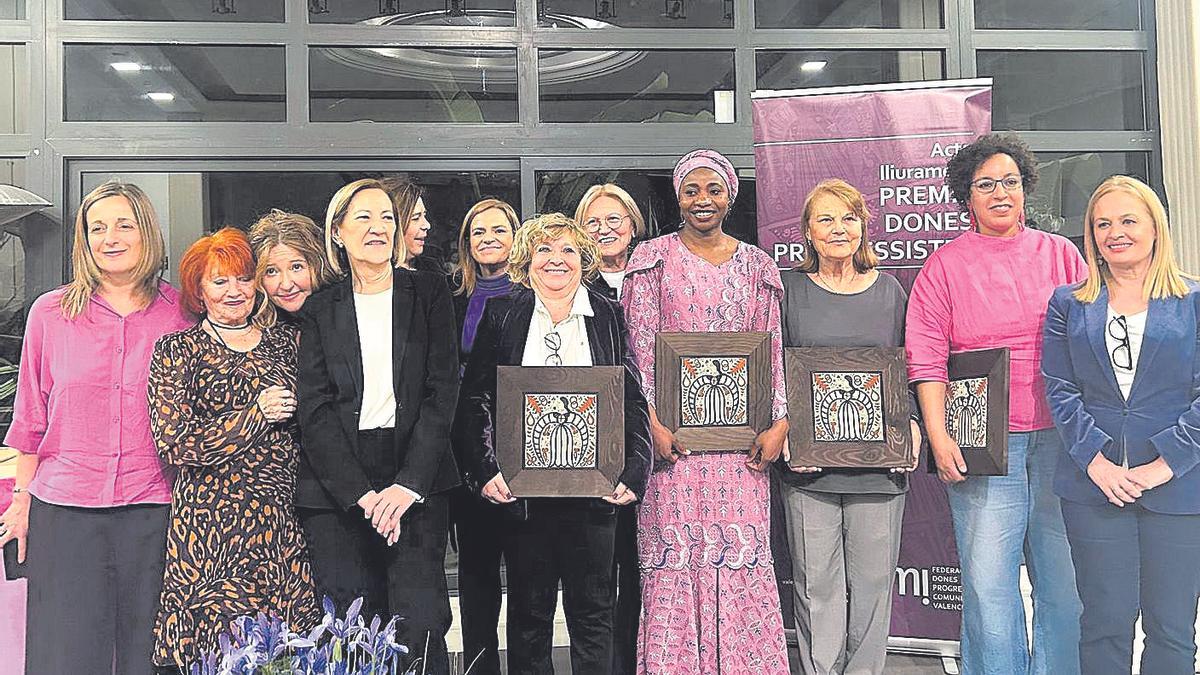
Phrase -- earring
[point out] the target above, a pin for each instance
(337, 242)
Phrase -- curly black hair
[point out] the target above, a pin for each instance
(961, 168)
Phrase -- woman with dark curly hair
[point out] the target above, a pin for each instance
(989, 288)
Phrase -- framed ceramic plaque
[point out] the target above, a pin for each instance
(713, 390)
(977, 410)
(848, 407)
(560, 432)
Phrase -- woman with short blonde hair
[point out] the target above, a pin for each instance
(610, 215)
(546, 228)
(289, 262)
(335, 214)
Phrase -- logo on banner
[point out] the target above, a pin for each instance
(938, 586)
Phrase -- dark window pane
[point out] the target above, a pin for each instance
(577, 85)
(1068, 14)
(653, 192)
(241, 11)
(412, 84)
(1065, 90)
(848, 13)
(797, 70)
(12, 9)
(1066, 181)
(174, 83)
(635, 13)
(451, 13)
(14, 89)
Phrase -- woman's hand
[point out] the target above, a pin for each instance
(665, 444)
(1120, 485)
(916, 450)
(787, 460)
(767, 446)
(392, 503)
(496, 491)
(1152, 474)
(14, 523)
(951, 466)
(621, 496)
(277, 403)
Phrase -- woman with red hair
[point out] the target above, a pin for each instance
(221, 404)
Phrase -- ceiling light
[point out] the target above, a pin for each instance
(126, 66)
(161, 96)
(813, 66)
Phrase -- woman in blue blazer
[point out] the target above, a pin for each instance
(1122, 366)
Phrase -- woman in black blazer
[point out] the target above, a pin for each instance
(552, 320)
(377, 386)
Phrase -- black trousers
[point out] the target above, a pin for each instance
(480, 528)
(351, 560)
(573, 544)
(629, 593)
(94, 579)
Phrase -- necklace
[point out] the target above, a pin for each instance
(829, 285)
(214, 324)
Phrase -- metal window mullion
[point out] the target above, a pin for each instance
(437, 36)
(964, 12)
(1098, 141)
(1041, 40)
(852, 38)
(121, 32)
(16, 32)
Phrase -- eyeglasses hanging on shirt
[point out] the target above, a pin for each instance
(1122, 355)
(553, 342)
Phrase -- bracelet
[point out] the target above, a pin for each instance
(17, 490)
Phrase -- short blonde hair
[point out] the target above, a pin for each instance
(1164, 278)
(864, 258)
(466, 272)
(618, 193)
(87, 275)
(298, 232)
(549, 227)
(339, 205)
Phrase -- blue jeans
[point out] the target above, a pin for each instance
(997, 519)
(1130, 559)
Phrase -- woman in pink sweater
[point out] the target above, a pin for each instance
(989, 288)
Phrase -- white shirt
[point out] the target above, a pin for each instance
(1135, 328)
(614, 279)
(374, 315)
(572, 334)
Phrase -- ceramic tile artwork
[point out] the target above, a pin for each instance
(847, 406)
(560, 431)
(713, 390)
(967, 412)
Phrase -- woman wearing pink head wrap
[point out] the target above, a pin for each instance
(710, 603)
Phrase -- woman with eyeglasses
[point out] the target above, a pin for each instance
(552, 319)
(988, 288)
(1122, 367)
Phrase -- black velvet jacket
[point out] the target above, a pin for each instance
(424, 369)
(500, 341)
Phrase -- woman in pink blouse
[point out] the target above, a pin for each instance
(710, 603)
(91, 501)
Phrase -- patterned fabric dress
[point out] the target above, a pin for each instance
(234, 546)
(710, 603)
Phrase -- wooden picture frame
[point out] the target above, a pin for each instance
(848, 407)
(977, 410)
(560, 432)
(730, 372)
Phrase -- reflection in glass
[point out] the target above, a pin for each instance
(225, 11)
(12, 293)
(635, 13)
(412, 84)
(800, 69)
(651, 189)
(451, 13)
(1062, 14)
(1066, 182)
(14, 88)
(848, 13)
(1065, 90)
(12, 9)
(635, 86)
(174, 83)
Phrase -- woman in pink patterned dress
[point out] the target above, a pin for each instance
(710, 604)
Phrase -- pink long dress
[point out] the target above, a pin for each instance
(709, 600)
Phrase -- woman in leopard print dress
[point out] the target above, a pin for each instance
(221, 403)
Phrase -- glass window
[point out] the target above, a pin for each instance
(12, 9)
(12, 294)
(450, 13)
(635, 86)
(1065, 14)
(1066, 181)
(848, 13)
(800, 69)
(412, 84)
(635, 13)
(241, 11)
(14, 89)
(1065, 90)
(651, 189)
(174, 83)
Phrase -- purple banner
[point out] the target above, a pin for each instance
(891, 142)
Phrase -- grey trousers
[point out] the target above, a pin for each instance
(844, 549)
